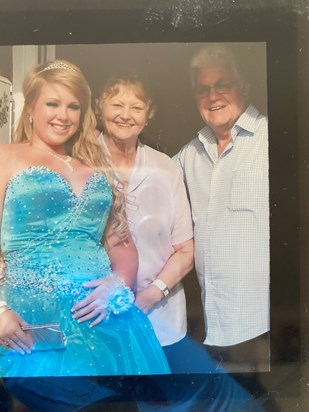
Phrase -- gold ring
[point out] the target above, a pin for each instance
(8, 342)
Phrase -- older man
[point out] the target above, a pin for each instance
(225, 169)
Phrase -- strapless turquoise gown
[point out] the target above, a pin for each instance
(51, 243)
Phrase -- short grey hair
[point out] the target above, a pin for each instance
(211, 54)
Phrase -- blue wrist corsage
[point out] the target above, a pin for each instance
(120, 297)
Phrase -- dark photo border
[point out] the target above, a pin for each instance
(95, 22)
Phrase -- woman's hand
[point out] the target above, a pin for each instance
(110, 296)
(148, 297)
(95, 304)
(11, 334)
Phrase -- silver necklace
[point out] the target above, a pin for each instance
(68, 159)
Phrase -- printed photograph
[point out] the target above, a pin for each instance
(135, 209)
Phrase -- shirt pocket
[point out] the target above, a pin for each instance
(249, 190)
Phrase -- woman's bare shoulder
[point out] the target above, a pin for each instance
(12, 155)
(7, 149)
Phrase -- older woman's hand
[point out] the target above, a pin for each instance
(147, 298)
(11, 335)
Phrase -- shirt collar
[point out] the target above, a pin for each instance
(245, 122)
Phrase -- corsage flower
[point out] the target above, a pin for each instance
(120, 297)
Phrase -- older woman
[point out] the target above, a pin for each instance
(158, 211)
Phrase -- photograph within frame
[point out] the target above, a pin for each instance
(277, 27)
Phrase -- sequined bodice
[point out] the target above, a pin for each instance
(47, 231)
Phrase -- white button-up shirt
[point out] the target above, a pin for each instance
(229, 198)
(159, 217)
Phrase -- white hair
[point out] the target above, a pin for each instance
(214, 53)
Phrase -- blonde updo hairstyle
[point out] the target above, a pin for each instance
(83, 145)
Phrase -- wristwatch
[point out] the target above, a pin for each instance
(162, 286)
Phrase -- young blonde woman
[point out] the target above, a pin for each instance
(67, 253)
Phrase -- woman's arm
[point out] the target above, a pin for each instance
(124, 264)
(11, 334)
(10, 321)
(122, 255)
(175, 269)
(6, 162)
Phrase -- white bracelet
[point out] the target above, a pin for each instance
(162, 286)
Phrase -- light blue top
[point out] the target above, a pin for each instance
(229, 196)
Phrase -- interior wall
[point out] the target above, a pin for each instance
(6, 62)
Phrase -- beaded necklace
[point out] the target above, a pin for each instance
(68, 159)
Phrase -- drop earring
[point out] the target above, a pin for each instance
(30, 120)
